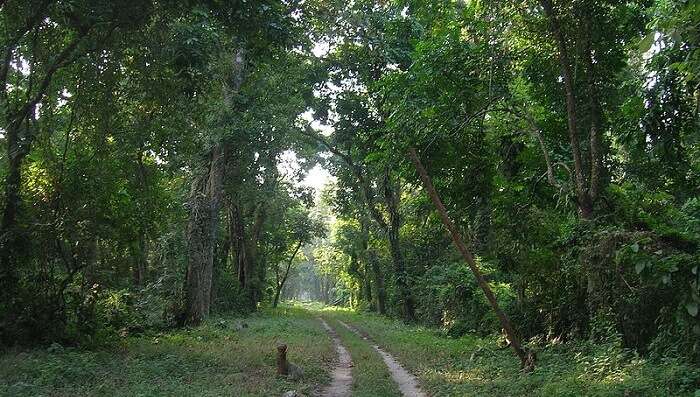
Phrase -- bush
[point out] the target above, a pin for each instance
(452, 300)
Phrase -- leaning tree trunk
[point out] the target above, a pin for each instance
(527, 358)
(280, 284)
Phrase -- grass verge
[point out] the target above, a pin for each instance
(475, 366)
(221, 357)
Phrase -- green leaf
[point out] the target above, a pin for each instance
(692, 308)
(646, 42)
(634, 247)
(639, 267)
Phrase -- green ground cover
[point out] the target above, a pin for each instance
(219, 358)
(474, 366)
(224, 357)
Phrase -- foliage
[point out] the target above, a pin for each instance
(155, 154)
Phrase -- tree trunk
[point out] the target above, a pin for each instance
(379, 284)
(140, 260)
(221, 254)
(246, 249)
(205, 198)
(9, 233)
(364, 258)
(201, 237)
(585, 203)
(526, 357)
(392, 202)
(280, 285)
(238, 244)
(253, 289)
(367, 284)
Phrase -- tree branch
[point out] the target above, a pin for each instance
(59, 62)
(357, 172)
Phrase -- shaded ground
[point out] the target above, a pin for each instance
(223, 358)
(219, 358)
(474, 366)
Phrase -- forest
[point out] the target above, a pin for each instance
(502, 197)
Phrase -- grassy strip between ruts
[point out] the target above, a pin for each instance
(370, 376)
(218, 358)
(473, 366)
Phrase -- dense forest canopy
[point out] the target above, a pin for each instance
(156, 155)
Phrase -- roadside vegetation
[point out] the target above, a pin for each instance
(233, 355)
(227, 355)
(480, 366)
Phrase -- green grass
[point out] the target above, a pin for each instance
(221, 359)
(473, 366)
(370, 376)
(215, 359)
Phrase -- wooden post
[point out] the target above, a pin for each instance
(282, 366)
(527, 359)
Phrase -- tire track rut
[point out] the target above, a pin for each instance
(342, 373)
(408, 384)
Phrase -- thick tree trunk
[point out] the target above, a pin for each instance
(205, 197)
(526, 358)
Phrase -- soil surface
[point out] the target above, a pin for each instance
(408, 384)
(342, 373)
